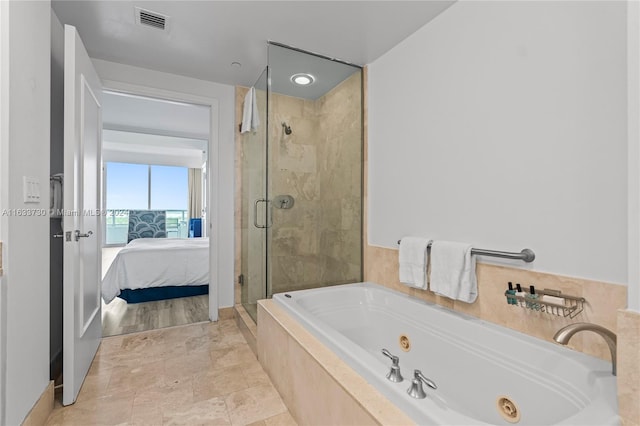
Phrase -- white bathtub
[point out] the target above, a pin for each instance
(473, 362)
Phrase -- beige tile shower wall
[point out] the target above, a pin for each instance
(294, 256)
(319, 239)
(603, 300)
(340, 164)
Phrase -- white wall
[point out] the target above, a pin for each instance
(221, 204)
(504, 124)
(25, 152)
(633, 81)
(4, 141)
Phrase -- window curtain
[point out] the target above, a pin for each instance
(195, 193)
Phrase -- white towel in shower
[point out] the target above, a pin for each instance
(453, 271)
(250, 117)
(413, 261)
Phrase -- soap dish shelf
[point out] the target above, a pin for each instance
(570, 307)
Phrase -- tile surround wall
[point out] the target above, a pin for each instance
(328, 392)
(605, 304)
(629, 367)
(603, 300)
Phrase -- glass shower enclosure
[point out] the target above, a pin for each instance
(302, 177)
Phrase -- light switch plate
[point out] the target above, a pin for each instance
(31, 189)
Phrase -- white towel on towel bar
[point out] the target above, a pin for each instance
(453, 271)
(413, 261)
(250, 117)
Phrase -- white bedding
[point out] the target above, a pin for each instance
(157, 262)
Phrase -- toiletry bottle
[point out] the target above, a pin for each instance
(533, 295)
(511, 300)
(519, 292)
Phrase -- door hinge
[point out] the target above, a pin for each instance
(241, 279)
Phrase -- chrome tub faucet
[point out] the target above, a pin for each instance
(416, 390)
(394, 375)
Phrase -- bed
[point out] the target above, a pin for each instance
(158, 268)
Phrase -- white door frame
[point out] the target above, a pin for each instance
(212, 173)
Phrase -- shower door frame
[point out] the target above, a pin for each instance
(267, 214)
(253, 205)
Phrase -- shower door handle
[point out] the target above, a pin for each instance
(255, 214)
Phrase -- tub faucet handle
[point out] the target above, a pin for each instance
(416, 390)
(394, 375)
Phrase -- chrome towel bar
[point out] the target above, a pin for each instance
(526, 255)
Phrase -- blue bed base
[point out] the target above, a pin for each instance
(162, 293)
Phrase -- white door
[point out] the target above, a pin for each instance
(82, 322)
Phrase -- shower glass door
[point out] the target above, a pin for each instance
(254, 210)
(315, 171)
(302, 177)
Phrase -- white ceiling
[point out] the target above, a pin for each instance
(144, 115)
(127, 147)
(205, 37)
(284, 63)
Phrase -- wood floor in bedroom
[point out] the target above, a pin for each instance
(190, 375)
(119, 317)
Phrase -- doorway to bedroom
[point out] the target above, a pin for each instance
(155, 256)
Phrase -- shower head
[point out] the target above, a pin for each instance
(287, 129)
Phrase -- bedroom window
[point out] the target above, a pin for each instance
(145, 187)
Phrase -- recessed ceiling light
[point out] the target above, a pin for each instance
(236, 64)
(303, 79)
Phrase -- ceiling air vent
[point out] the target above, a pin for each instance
(151, 19)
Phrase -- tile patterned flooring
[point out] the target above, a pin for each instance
(198, 374)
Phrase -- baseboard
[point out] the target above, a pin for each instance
(42, 409)
(225, 313)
